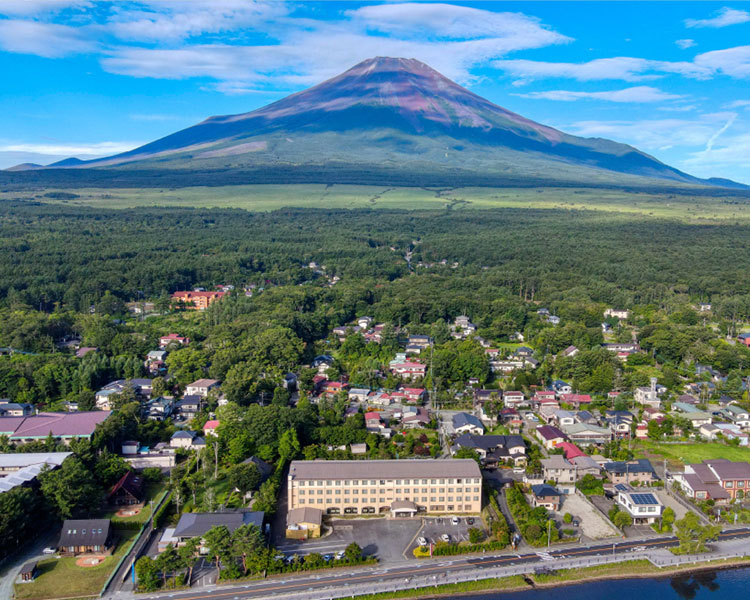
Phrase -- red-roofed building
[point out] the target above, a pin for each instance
(173, 338)
(409, 369)
(373, 420)
(197, 300)
(128, 491)
(414, 394)
(210, 427)
(332, 388)
(571, 450)
(575, 400)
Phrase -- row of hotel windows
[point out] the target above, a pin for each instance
(389, 491)
(424, 499)
(441, 481)
(730, 484)
(353, 510)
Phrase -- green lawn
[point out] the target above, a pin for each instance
(62, 578)
(691, 453)
(271, 197)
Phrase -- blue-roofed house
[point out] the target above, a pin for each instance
(466, 423)
(545, 495)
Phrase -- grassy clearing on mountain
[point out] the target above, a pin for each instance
(272, 197)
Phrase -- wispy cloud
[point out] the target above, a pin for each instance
(733, 62)
(219, 39)
(57, 149)
(624, 68)
(49, 40)
(738, 104)
(685, 44)
(633, 94)
(722, 18)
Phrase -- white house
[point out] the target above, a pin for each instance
(643, 506)
(202, 387)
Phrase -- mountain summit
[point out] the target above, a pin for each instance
(394, 114)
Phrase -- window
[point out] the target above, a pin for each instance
(302, 492)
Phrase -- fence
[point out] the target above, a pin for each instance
(472, 575)
(146, 527)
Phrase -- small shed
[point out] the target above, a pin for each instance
(29, 571)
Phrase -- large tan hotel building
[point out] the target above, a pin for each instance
(401, 487)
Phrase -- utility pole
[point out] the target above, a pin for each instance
(549, 532)
(216, 459)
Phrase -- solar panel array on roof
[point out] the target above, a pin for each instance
(644, 499)
(620, 487)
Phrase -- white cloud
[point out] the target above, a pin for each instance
(174, 20)
(633, 94)
(306, 58)
(22, 8)
(738, 104)
(724, 17)
(653, 134)
(80, 150)
(43, 39)
(622, 68)
(685, 44)
(448, 21)
(734, 62)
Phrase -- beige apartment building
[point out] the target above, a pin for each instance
(399, 487)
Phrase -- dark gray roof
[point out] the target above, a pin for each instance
(264, 468)
(642, 465)
(197, 524)
(542, 490)
(489, 442)
(84, 532)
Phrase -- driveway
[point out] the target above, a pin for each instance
(385, 538)
(11, 567)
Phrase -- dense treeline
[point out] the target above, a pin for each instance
(335, 173)
(73, 255)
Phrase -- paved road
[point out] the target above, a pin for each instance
(10, 568)
(309, 582)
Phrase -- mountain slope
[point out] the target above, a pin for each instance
(394, 113)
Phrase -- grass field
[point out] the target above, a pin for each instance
(62, 578)
(691, 453)
(271, 197)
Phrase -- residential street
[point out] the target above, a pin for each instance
(438, 569)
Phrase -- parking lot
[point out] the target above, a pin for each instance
(436, 527)
(591, 524)
(385, 538)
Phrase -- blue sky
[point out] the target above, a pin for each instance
(90, 78)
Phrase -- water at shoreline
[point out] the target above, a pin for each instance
(729, 583)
